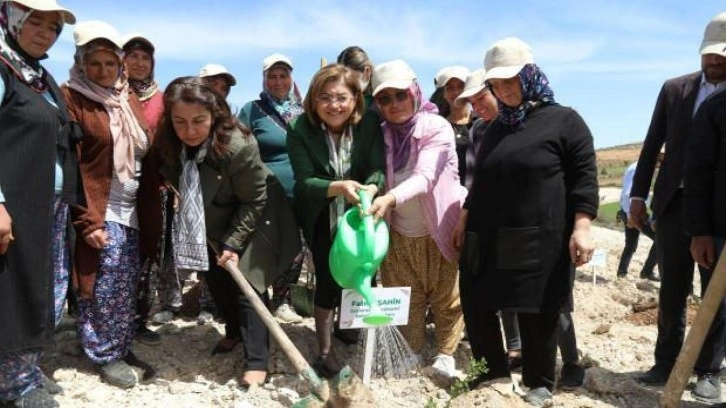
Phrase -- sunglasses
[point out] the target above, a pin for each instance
(386, 99)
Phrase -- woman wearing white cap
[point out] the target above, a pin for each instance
(38, 180)
(110, 242)
(268, 117)
(424, 197)
(527, 218)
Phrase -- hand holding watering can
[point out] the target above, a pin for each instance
(360, 244)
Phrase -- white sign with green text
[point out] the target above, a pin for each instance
(393, 302)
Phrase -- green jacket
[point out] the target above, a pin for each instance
(308, 151)
(245, 208)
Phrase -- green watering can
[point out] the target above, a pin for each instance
(358, 249)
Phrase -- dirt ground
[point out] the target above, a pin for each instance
(615, 343)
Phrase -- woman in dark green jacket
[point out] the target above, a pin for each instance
(334, 151)
(231, 208)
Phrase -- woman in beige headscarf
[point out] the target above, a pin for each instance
(110, 242)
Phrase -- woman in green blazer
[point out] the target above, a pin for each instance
(334, 151)
(231, 207)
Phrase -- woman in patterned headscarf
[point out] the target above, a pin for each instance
(111, 240)
(38, 180)
(527, 219)
(267, 118)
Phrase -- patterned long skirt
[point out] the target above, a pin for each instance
(106, 322)
(19, 372)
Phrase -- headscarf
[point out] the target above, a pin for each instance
(25, 67)
(288, 108)
(147, 87)
(536, 92)
(401, 140)
(126, 132)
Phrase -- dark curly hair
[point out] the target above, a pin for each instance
(191, 89)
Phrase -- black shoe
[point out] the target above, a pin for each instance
(708, 388)
(148, 337)
(327, 366)
(572, 376)
(655, 376)
(118, 373)
(35, 398)
(621, 274)
(651, 276)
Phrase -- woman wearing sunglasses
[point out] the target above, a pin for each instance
(424, 197)
(335, 151)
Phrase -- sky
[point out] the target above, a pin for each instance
(606, 58)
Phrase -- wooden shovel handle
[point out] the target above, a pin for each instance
(301, 364)
(696, 336)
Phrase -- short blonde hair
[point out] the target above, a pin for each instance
(330, 73)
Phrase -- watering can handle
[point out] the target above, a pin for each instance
(369, 232)
(365, 200)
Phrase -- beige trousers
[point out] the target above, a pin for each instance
(418, 263)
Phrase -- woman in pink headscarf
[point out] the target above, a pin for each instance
(422, 202)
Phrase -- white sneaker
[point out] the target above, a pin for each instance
(445, 365)
(204, 318)
(162, 317)
(286, 314)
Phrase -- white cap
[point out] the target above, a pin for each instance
(210, 70)
(445, 74)
(392, 74)
(138, 37)
(88, 31)
(714, 37)
(473, 85)
(49, 5)
(273, 59)
(505, 58)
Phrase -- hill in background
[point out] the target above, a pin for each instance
(612, 162)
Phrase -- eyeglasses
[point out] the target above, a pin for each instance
(386, 99)
(340, 99)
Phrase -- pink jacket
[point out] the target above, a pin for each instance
(435, 178)
(153, 109)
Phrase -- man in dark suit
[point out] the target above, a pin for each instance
(677, 102)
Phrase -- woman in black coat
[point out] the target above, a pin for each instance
(38, 176)
(527, 217)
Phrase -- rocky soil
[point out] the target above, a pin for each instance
(615, 342)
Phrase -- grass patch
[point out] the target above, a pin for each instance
(607, 216)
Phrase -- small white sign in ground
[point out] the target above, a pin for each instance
(394, 302)
(599, 259)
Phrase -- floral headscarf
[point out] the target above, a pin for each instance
(25, 67)
(288, 108)
(147, 87)
(401, 140)
(536, 92)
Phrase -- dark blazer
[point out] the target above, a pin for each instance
(245, 208)
(704, 195)
(313, 173)
(671, 120)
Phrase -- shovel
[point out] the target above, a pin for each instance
(347, 388)
(683, 368)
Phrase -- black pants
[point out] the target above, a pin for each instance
(240, 317)
(631, 244)
(538, 332)
(676, 273)
(566, 339)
